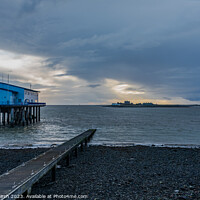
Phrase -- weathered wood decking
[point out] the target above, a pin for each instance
(21, 179)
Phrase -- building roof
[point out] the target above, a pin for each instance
(8, 90)
(18, 87)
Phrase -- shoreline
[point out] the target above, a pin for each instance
(101, 172)
(181, 146)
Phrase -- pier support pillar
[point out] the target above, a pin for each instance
(4, 118)
(86, 142)
(23, 116)
(30, 115)
(28, 192)
(12, 116)
(15, 116)
(76, 152)
(53, 173)
(68, 160)
(34, 114)
(81, 146)
(39, 114)
(8, 117)
(27, 116)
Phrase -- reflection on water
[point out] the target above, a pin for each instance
(114, 126)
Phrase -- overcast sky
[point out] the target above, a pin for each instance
(102, 51)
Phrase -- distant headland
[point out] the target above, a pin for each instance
(148, 104)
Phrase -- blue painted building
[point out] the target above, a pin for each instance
(12, 94)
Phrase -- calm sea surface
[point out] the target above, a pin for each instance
(115, 126)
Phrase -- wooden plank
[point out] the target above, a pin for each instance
(21, 179)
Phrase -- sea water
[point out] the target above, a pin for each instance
(115, 126)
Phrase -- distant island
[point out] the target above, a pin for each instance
(149, 104)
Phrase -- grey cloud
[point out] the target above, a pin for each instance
(29, 6)
(39, 86)
(166, 98)
(61, 75)
(72, 73)
(53, 61)
(135, 42)
(194, 98)
(134, 89)
(94, 85)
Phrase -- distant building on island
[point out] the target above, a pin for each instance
(128, 103)
(148, 104)
(115, 104)
(12, 94)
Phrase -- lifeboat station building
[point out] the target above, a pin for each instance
(15, 95)
(18, 105)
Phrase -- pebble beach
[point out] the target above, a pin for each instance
(110, 173)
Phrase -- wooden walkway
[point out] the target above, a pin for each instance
(20, 180)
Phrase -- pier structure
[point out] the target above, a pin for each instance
(17, 183)
(20, 114)
(19, 105)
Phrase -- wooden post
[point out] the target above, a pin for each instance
(81, 146)
(12, 116)
(27, 116)
(27, 192)
(20, 116)
(68, 160)
(30, 114)
(53, 173)
(36, 113)
(8, 116)
(86, 142)
(33, 114)
(4, 118)
(25, 195)
(76, 152)
(23, 116)
(39, 114)
(15, 115)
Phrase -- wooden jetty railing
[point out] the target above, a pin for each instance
(19, 181)
(20, 114)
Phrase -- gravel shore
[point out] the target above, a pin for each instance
(111, 173)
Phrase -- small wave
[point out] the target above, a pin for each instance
(24, 146)
(145, 144)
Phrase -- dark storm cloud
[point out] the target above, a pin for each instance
(29, 6)
(155, 44)
(61, 75)
(94, 85)
(52, 62)
(167, 98)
